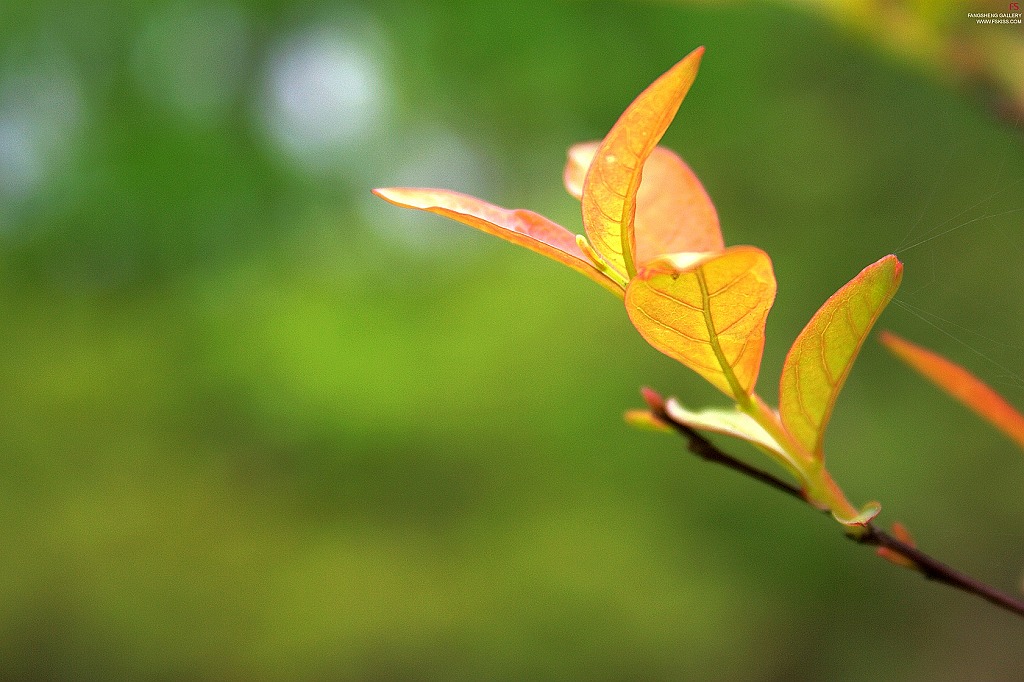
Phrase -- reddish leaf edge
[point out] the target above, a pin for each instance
(563, 246)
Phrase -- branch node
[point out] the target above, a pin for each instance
(889, 547)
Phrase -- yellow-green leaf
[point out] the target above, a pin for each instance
(612, 182)
(708, 312)
(821, 357)
(961, 384)
(674, 213)
(862, 518)
(730, 422)
(646, 420)
(518, 226)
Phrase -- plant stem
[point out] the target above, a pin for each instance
(928, 566)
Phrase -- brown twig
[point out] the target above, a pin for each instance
(928, 566)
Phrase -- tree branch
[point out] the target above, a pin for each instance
(928, 566)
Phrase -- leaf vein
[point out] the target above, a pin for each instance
(728, 285)
(669, 297)
(739, 319)
(670, 328)
(811, 421)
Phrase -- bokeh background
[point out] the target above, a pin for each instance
(256, 424)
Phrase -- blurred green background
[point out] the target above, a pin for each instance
(257, 424)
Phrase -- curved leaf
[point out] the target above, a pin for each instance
(673, 211)
(961, 384)
(708, 312)
(821, 357)
(730, 422)
(518, 226)
(577, 162)
(612, 182)
(863, 517)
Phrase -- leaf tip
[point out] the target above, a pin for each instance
(392, 195)
(890, 266)
(887, 338)
(653, 399)
(862, 518)
(896, 264)
(690, 62)
(901, 533)
(646, 420)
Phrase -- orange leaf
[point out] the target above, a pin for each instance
(708, 312)
(518, 226)
(612, 183)
(821, 357)
(961, 384)
(900, 532)
(674, 213)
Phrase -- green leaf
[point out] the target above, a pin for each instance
(674, 213)
(820, 359)
(518, 226)
(707, 311)
(612, 182)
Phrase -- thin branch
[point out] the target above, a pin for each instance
(705, 449)
(930, 567)
(933, 569)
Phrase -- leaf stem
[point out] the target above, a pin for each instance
(819, 490)
(930, 567)
(738, 391)
(600, 263)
